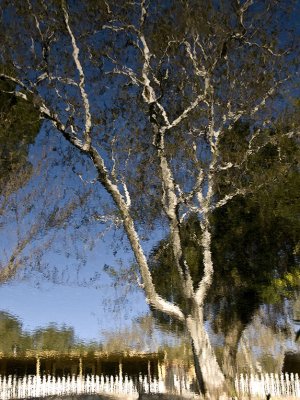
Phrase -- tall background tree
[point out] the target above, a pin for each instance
(19, 126)
(255, 243)
(141, 96)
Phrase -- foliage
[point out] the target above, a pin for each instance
(51, 338)
(255, 237)
(171, 109)
(19, 125)
(12, 338)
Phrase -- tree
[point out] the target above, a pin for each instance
(246, 242)
(19, 125)
(137, 337)
(52, 338)
(255, 240)
(12, 338)
(145, 93)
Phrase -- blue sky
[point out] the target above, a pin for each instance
(89, 311)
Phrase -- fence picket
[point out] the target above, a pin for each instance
(27, 387)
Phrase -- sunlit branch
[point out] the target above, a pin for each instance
(16, 81)
(235, 116)
(45, 42)
(165, 52)
(17, 94)
(269, 93)
(238, 192)
(85, 100)
(185, 113)
(225, 167)
(197, 41)
(149, 287)
(251, 151)
(127, 195)
(9, 270)
(170, 204)
(123, 28)
(143, 13)
(169, 197)
(185, 198)
(200, 72)
(107, 7)
(241, 11)
(265, 47)
(208, 271)
(230, 196)
(48, 114)
(129, 73)
(122, 205)
(44, 110)
(67, 81)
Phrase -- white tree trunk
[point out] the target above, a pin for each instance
(210, 378)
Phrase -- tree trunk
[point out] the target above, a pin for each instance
(232, 339)
(210, 378)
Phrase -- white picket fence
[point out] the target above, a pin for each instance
(12, 387)
(31, 386)
(277, 385)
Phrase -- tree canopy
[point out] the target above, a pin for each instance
(19, 126)
(160, 108)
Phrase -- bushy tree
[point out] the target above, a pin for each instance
(19, 126)
(255, 245)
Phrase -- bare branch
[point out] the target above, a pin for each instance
(170, 204)
(48, 114)
(197, 41)
(269, 93)
(85, 100)
(121, 28)
(241, 11)
(200, 72)
(206, 280)
(16, 81)
(153, 298)
(108, 8)
(129, 73)
(185, 198)
(127, 195)
(265, 47)
(185, 113)
(67, 81)
(143, 13)
(224, 167)
(46, 38)
(17, 94)
(251, 151)
(44, 110)
(235, 116)
(230, 196)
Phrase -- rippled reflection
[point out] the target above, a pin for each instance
(144, 349)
